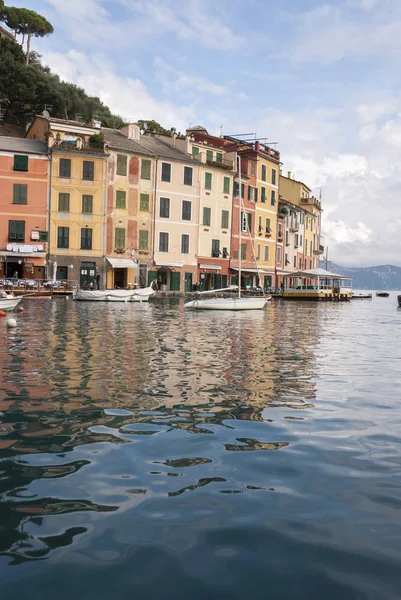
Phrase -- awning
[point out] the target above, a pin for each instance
(122, 263)
(23, 254)
(166, 264)
(214, 267)
(250, 270)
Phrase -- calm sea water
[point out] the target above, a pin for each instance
(152, 452)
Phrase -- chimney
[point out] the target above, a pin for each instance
(257, 146)
(289, 174)
(281, 171)
(174, 140)
(96, 123)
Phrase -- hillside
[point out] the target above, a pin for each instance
(382, 277)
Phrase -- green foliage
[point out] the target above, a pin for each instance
(154, 127)
(97, 141)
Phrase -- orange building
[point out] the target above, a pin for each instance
(23, 208)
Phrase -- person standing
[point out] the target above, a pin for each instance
(97, 278)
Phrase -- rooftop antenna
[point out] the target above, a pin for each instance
(221, 131)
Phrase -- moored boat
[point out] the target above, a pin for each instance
(137, 295)
(228, 303)
(399, 300)
(382, 294)
(361, 296)
(9, 302)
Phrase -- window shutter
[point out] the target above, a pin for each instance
(164, 208)
(187, 175)
(209, 155)
(145, 168)
(175, 281)
(166, 172)
(64, 202)
(249, 215)
(121, 164)
(225, 215)
(143, 239)
(236, 188)
(88, 170)
(206, 216)
(120, 199)
(219, 157)
(20, 163)
(144, 202)
(195, 150)
(152, 275)
(119, 238)
(243, 191)
(20, 193)
(208, 181)
(184, 243)
(65, 168)
(243, 251)
(87, 204)
(226, 188)
(186, 210)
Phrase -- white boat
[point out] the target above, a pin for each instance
(361, 296)
(233, 303)
(137, 295)
(9, 303)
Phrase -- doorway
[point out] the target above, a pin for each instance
(39, 273)
(62, 273)
(120, 279)
(87, 274)
(187, 282)
(15, 268)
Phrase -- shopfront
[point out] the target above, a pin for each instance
(122, 273)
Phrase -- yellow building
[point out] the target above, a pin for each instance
(76, 198)
(268, 254)
(299, 194)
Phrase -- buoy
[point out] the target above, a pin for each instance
(2, 313)
(20, 309)
(11, 323)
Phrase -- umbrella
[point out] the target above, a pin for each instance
(54, 271)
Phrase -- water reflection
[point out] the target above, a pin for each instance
(115, 418)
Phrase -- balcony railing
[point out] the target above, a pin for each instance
(294, 225)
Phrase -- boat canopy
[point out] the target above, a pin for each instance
(122, 263)
(317, 274)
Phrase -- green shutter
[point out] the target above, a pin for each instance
(64, 202)
(206, 216)
(87, 204)
(226, 188)
(65, 168)
(273, 197)
(195, 150)
(120, 199)
(219, 157)
(152, 275)
(209, 155)
(88, 170)
(20, 163)
(208, 181)
(121, 164)
(16, 231)
(144, 202)
(20, 193)
(175, 281)
(243, 251)
(119, 238)
(224, 219)
(143, 239)
(145, 168)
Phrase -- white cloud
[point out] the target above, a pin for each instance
(174, 80)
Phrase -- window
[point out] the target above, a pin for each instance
(144, 202)
(236, 188)
(311, 248)
(258, 253)
(86, 238)
(225, 253)
(87, 204)
(188, 175)
(300, 263)
(88, 170)
(121, 197)
(243, 251)
(16, 231)
(295, 261)
(260, 226)
(264, 173)
(278, 255)
(195, 150)
(20, 163)
(226, 185)
(163, 242)
(208, 181)
(206, 216)
(166, 172)
(286, 237)
(268, 230)
(250, 193)
(186, 210)
(246, 222)
(253, 168)
(184, 243)
(266, 253)
(225, 215)
(215, 248)
(273, 176)
(243, 191)
(64, 202)
(63, 237)
(263, 194)
(143, 239)
(121, 164)
(20, 193)
(209, 155)
(219, 157)
(65, 168)
(145, 168)
(300, 240)
(273, 197)
(119, 238)
(165, 208)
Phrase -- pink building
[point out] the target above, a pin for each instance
(23, 207)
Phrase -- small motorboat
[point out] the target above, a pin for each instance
(228, 303)
(361, 296)
(9, 302)
(383, 294)
(399, 301)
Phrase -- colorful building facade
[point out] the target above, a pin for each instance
(24, 168)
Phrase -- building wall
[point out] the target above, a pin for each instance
(34, 213)
(267, 210)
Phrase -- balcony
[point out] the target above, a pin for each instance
(312, 202)
(280, 235)
(294, 225)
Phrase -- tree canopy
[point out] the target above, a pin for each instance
(25, 22)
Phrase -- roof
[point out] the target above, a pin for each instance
(118, 141)
(160, 148)
(22, 145)
(69, 122)
(314, 273)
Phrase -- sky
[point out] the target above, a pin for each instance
(320, 79)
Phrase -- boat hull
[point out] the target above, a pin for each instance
(140, 295)
(356, 296)
(9, 303)
(383, 294)
(399, 301)
(228, 304)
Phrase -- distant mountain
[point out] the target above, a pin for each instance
(383, 277)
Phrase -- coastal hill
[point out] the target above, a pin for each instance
(382, 277)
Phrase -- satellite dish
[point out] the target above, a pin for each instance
(46, 114)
